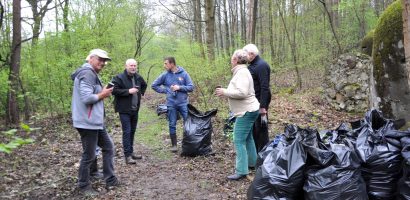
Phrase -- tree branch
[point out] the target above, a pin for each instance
(176, 14)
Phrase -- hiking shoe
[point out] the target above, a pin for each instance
(88, 191)
(129, 160)
(136, 157)
(113, 184)
(235, 177)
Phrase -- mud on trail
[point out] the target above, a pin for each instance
(47, 169)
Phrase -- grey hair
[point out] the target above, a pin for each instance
(251, 48)
(131, 60)
(241, 56)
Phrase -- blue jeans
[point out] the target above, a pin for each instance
(244, 144)
(89, 141)
(129, 125)
(173, 114)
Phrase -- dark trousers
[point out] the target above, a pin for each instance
(89, 140)
(260, 134)
(129, 125)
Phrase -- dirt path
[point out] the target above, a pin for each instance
(48, 168)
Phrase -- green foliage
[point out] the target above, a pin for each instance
(15, 141)
(367, 43)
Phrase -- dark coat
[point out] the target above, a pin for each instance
(260, 72)
(123, 99)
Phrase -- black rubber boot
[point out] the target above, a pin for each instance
(174, 142)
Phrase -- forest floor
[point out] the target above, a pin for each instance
(47, 168)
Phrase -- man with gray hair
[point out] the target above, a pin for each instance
(88, 118)
(260, 72)
(128, 88)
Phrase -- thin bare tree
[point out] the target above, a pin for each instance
(331, 25)
(12, 111)
(252, 13)
(39, 11)
(210, 28)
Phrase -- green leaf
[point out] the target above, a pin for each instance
(25, 127)
(10, 132)
(3, 148)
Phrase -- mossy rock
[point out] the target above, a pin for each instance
(389, 64)
(367, 43)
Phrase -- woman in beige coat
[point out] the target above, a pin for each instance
(245, 107)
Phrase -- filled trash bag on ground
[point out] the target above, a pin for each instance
(379, 149)
(290, 132)
(197, 132)
(161, 109)
(335, 172)
(404, 182)
(266, 150)
(281, 174)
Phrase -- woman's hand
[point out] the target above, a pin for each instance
(219, 92)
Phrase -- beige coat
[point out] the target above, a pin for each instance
(240, 92)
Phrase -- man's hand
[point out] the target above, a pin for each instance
(133, 90)
(263, 111)
(175, 88)
(105, 93)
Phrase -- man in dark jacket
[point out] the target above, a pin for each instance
(128, 88)
(260, 72)
(175, 82)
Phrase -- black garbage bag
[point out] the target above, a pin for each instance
(404, 182)
(281, 174)
(197, 132)
(266, 150)
(335, 172)
(161, 109)
(290, 132)
(318, 153)
(381, 156)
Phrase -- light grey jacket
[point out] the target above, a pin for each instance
(87, 110)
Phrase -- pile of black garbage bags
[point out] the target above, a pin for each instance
(368, 160)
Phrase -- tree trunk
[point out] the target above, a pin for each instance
(198, 26)
(227, 35)
(210, 28)
(243, 20)
(65, 15)
(406, 33)
(38, 16)
(271, 33)
(12, 105)
(252, 13)
(221, 35)
(234, 22)
(292, 43)
(332, 26)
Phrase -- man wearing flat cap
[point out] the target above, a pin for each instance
(88, 118)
